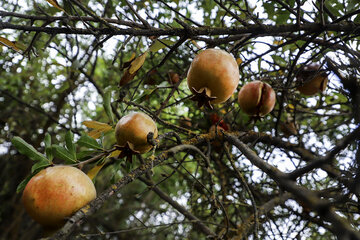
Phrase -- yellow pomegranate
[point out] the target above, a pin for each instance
(213, 76)
(55, 193)
(133, 129)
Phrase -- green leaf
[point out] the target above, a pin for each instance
(70, 145)
(282, 17)
(279, 60)
(40, 165)
(352, 5)
(23, 183)
(27, 150)
(63, 153)
(143, 95)
(47, 140)
(107, 105)
(269, 9)
(88, 142)
(128, 165)
(84, 155)
(357, 19)
(48, 150)
(160, 44)
(259, 64)
(335, 8)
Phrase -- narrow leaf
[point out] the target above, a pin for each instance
(95, 170)
(47, 140)
(107, 105)
(160, 44)
(48, 150)
(40, 165)
(83, 155)
(128, 62)
(88, 142)
(23, 183)
(97, 125)
(9, 44)
(27, 150)
(115, 153)
(138, 62)
(63, 153)
(55, 4)
(95, 134)
(70, 145)
(127, 77)
(239, 61)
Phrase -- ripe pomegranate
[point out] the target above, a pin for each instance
(312, 79)
(257, 98)
(132, 130)
(55, 193)
(213, 77)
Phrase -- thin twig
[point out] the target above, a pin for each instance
(243, 182)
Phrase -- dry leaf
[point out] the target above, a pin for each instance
(137, 63)
(95, 170)
(239, 61)
(95, 134)
(128, 63)
(127, 77)
(97, 125)
(115, 153)
(10, 44)
(55, 4)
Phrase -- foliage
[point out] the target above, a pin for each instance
(70, 69)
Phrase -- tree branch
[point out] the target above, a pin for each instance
(196, 221)
(96, 204)
(323, 207)
(262, 30)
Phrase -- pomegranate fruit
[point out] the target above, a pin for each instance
(257, 98)
(312, 79)
(132, 130)
(55, 193)
(213, 77)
